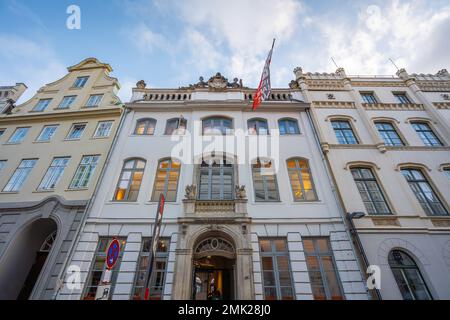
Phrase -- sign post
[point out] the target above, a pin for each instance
(154, 245)
(112, 255)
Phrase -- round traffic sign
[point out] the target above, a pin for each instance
(112, 254)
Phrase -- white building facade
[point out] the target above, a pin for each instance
(237, 223)
(387, 141)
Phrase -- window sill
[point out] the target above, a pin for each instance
(42, 141)
(77, 189)
(307, 202)
(12, 143)
(72, 139)
(76, 88)
(44, 191)
(10, 192)
(122, 203)
(89, 107)
(99, 138)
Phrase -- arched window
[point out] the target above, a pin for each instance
(217, 126)
(166, 181)
(130, 180)
(408, 277)
(288, 126)
(388, 133)
(257, 127)
(145, 127)
(426, 133)
(301, 180)
(176, 126)
(370, 191)
(265, 181)
(216, 179)
(424, 192)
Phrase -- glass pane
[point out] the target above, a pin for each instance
(269, 278)
(280, 245)
(270, 293)
(267, 263)
(265, 245)
(286, 293)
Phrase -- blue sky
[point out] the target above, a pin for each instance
(171, 43)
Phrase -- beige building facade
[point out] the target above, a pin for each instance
(52, 151)
(387, 140)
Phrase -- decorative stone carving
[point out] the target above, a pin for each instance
(293, 84)
(331, 96)
(141, 84)
(443, 73)
(191, 192)
(298, 72)
(240, 192)
(217, 83)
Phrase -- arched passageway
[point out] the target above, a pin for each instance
(22, 263)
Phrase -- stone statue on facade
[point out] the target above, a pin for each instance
(240, 192)
(191, 192)
(141, 84)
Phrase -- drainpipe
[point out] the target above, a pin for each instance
(340, 204)
(59, 280)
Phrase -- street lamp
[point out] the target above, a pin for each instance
(354, 233)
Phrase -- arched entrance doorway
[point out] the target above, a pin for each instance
(214, 268)
(22, 264)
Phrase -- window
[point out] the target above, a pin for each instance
(368, 97)
(370, 191)
(159, 270)
(84, 172)
(301, 180)
(97, 273)
(344, 132)
(103, 129)
(2, 164)
(145, 127)
(408, 277)
(47, 133)
(288, 126)
(166, 181)
(257, 127)
(216, 180)
(67, 102)
(389, 134)
(2, 131)
(265, 181)
(54, 173)
(18, 135)
(322, 269)
(130, 181)
(42, 104)
(447, 172)
(402, 98)
(217, 126)
(80, 82)
(176, 126)
(20, 175)
(426, 134)
(94, 100)
(424, 192)
(76, 132)
(276, 269)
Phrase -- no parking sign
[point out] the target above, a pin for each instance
(112, 254)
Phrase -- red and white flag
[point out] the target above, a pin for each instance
(264, 87)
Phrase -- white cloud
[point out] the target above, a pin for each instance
(28, 61)
(147, 40)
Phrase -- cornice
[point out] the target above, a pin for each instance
(442, 105)
(334, 104)
(393, 106)
(360, 83)
(79, 114)
(434, 86)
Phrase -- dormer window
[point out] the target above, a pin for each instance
(80, 82)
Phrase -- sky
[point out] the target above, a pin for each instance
(171, 43)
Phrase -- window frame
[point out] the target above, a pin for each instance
(285, 121)
(96, 136)
(38, 108)
(425, 139)
(224, 131)
(264, 182)
(366, 100)
(341, 130)
(319, 255)
(299, 172)
(147, 125)
(24, 179)
(380, 188)
(274, 254)
(67, 106)
(39, 137)
(258, 122)
(402, 97)
(155, 196)
(179, 130)
(53, 174)
(417, 183)
(133, 170)
(79, 80)
(92, 97)
(72, 185)
(405, 278)
(3, 164)
(27, 130)
(68, 138)
(210, 169)
(387, 139)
